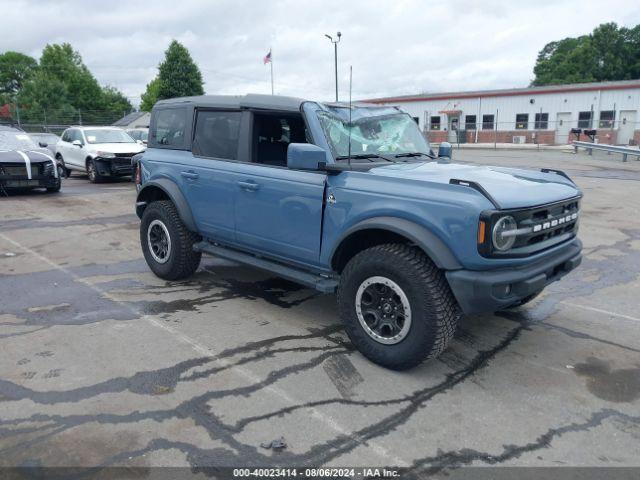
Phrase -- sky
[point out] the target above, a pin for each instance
(394, 47)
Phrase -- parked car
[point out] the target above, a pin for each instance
(46, 140)
(25, 165)
(101, 152)
(353, 201)
(139, 134)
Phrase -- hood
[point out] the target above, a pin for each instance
(37, 155)
(510, 187)
(116, 147)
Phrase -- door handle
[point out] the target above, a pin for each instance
(249, 185)
(190, 175)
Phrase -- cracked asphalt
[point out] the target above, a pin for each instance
(104, 364)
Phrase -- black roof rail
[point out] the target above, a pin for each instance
(476, 186)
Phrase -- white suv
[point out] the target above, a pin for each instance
(99, 151)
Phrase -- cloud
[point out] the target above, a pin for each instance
(395, 47)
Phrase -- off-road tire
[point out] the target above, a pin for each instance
(183, 261)
(434, 310)
(92, 172)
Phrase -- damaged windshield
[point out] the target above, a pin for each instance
(375, 132)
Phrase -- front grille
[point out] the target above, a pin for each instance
(13, 169)
(538, 228)
(547, 222)
(47, 169)
(124, 155)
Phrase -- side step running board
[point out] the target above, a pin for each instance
(323, 284)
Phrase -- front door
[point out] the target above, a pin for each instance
(454, 127)
(278, 211)
(563, 128)
(626, 126)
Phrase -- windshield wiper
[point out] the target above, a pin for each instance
(414, 154)
(364, 155)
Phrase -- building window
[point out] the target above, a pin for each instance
(522, 121)
(435, 123)
(542, 121)
(470, 122)
(584, 119)
(487, 122)
(607, 118)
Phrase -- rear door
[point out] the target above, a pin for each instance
(278, 211)
(210, 179)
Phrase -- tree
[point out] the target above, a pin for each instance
(15, 69)
(608, 53)
(150, 96)
(64, 90)
(178, 75)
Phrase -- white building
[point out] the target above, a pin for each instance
(544, 115)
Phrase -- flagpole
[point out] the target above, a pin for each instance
(271, 65)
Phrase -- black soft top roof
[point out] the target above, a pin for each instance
(251, 100)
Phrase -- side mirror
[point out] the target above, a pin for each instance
(444, 150)
(306, 156)
(77, 143)
(43, 144)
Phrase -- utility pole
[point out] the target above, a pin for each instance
(18, 112)
(335, 56)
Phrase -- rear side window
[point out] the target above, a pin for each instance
(170, 127)
(217, 134)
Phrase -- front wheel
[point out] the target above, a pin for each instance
(166, 242)
(56, 187)
(396, 305)
(92, 172)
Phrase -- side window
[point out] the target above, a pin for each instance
(272, 134)
(170, 126)
(66, 136)
(75, 135)
(216, 134)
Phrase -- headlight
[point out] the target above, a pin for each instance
(504, 233)
(105, 154)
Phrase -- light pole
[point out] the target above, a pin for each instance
(335, 56)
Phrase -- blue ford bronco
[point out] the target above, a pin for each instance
(352, 200)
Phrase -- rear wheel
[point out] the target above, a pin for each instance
(166, 242)
(396, 305)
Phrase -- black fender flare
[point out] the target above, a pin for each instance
(435, 248)
(175, 195)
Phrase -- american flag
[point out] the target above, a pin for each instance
(267, 58)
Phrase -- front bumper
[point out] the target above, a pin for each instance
(113, 167)
(493, 290)
(21, 182)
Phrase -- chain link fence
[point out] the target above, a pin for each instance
(56, 121)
